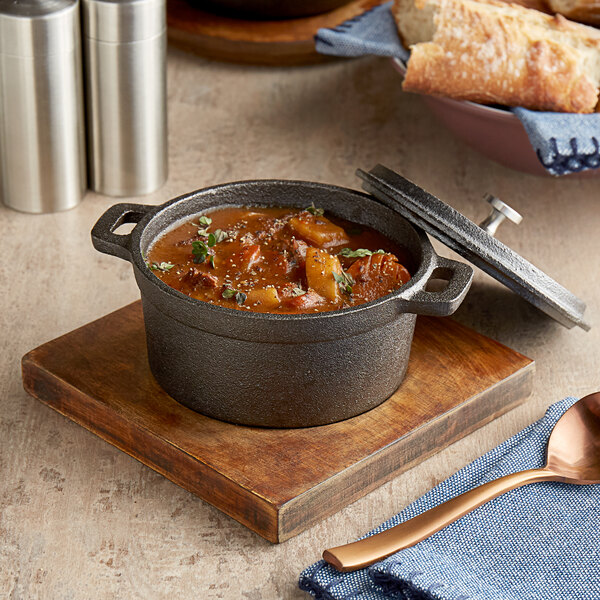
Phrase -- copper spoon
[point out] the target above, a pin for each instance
(572, 456)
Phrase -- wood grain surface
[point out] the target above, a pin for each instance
(78, 518)
(277, 482)
(281, 42)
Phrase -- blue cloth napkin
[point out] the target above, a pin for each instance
(538, 542)
(564, 143)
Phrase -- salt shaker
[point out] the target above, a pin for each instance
(42, 129)
(125, 79)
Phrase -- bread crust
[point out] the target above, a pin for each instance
(493, 53)
(585, 11)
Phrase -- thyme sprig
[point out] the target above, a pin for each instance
(359, 252)
(345, 281)
(163, 266)
(204, 223)
(298, 291)
(229, 292)
(201, 250)
(218, 236)
(313, 210)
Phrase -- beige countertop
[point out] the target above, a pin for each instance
(80, 519)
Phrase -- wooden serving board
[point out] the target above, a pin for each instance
(284, 42)
(277, 482)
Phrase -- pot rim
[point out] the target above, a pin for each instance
(132, 252)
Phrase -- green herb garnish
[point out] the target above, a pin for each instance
(218, 236)
(163, 266)
(345, 281)
(200, 252)
(200, 249)
(313, 210)
(229, 292)
(359, 252)
(298, 291)
(240, 298)
(204, 223)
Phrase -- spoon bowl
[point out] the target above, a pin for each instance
(572, 456)
(574, 446)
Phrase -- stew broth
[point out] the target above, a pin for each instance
(278, 260)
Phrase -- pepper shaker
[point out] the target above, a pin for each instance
(42, 128)
(125, 73)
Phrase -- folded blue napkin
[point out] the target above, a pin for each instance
(538, 542)
(564, 143)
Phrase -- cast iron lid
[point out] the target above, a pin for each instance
(475, 244)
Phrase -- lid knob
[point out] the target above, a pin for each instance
(500, 211)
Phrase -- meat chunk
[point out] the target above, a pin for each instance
(280, 265)
(320, 269)
(299, 251)
(318, 230)
(376, 276)
(303, 303)
(197, 278)
(247, 257)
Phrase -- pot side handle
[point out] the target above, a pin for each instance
(103, 238)
(442, 303)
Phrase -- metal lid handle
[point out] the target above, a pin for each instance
(500, 211)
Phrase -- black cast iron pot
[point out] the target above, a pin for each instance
(279, 370)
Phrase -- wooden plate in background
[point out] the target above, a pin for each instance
(287, 42)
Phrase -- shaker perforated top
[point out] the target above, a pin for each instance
(475, 244)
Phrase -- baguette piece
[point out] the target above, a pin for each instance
(496, 53)
(585, 11)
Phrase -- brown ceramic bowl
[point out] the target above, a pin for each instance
(494, 132)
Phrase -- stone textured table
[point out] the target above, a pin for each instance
(78, 518)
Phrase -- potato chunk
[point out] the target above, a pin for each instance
(376, 276)
(320, 267)
(264, 298)
(319, 231)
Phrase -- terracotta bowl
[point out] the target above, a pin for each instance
(494, 132)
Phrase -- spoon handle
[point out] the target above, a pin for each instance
(365, 552)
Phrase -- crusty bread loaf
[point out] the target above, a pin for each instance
(497, 53)
(585, 11)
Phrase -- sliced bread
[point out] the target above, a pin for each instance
(497, 53)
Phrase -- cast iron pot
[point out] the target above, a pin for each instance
(279, 370)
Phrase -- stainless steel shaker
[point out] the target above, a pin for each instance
(125, 71)
(42, 129)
